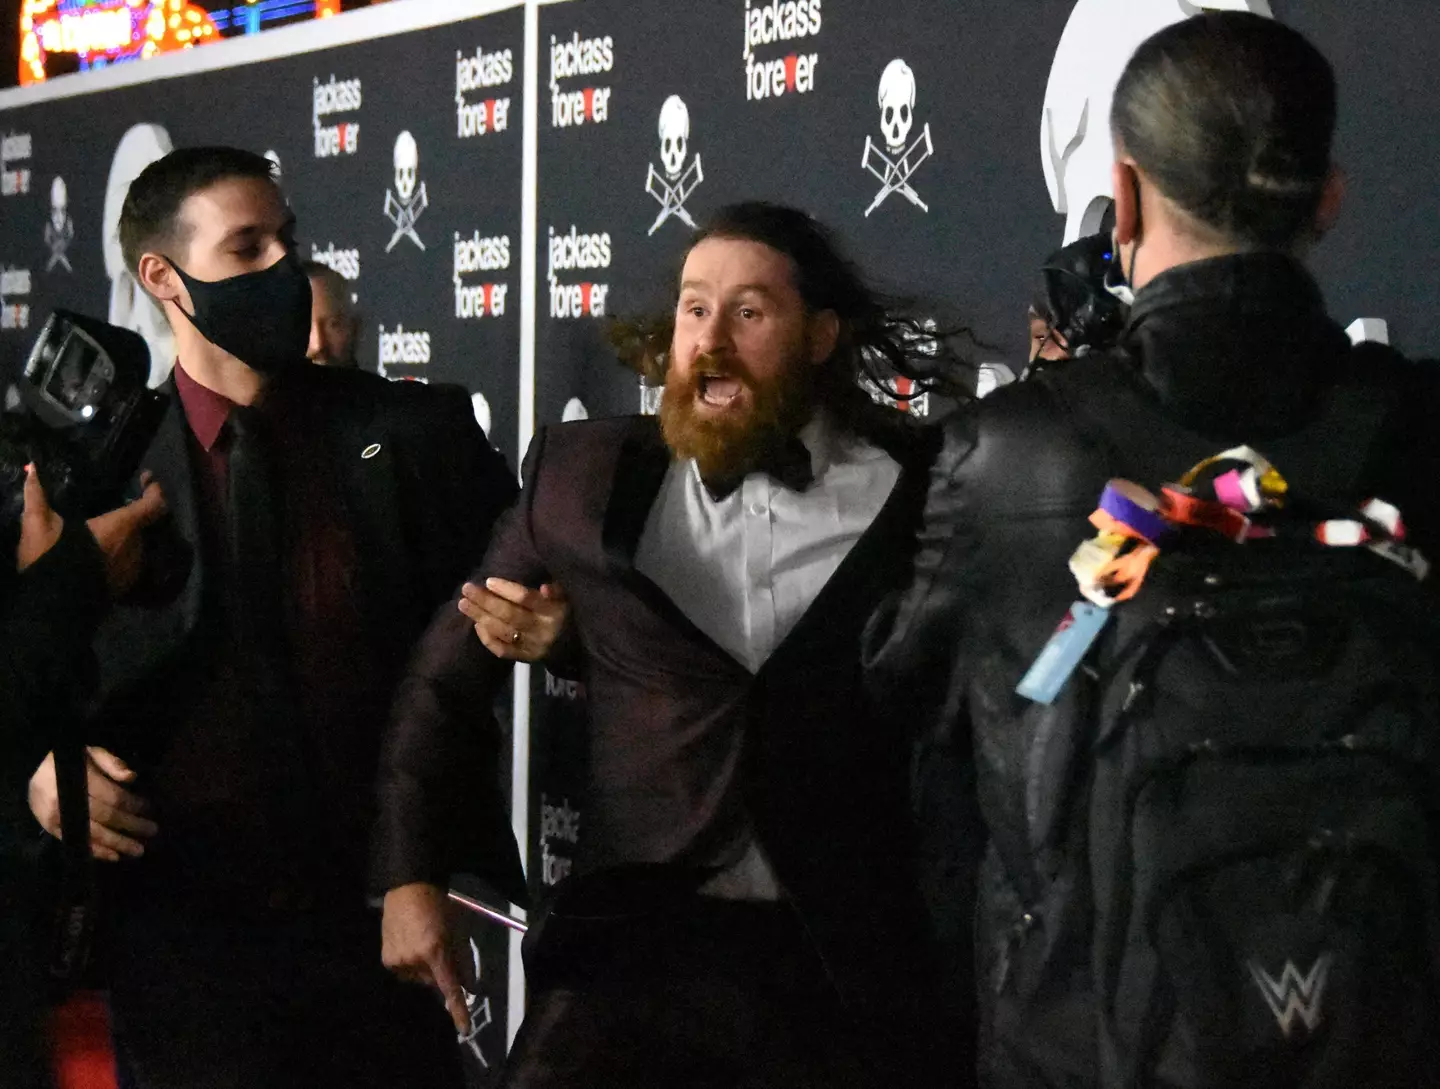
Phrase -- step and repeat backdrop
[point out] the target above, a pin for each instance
(950, 145)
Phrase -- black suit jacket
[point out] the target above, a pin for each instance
(420, 508)
(686, 746)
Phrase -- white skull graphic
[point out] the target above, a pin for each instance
(58, 201)
(897, 104)
(1075, 148)
(407, 164)
(674, 134)
(274, 157)
(130, 306)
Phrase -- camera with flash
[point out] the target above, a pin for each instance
(83, 414)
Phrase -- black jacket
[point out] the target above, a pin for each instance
(419, 489)
(1218, 352)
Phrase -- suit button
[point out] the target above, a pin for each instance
(758, 510)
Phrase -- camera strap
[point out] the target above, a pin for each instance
(76, 901)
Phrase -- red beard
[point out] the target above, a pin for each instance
(728, 445)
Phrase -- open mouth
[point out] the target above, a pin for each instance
(719, 390)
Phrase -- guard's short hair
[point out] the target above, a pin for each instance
(1232, 115)
(150, 217)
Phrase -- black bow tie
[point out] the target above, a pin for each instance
(788, 465)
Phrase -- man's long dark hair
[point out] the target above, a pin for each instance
(880, 340)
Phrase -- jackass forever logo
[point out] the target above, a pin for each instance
(572, 253)
(580, 64)
(779, 23)
(485, 255)
(335, 136)
(478, 109)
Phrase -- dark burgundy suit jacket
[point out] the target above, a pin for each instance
(685, 744)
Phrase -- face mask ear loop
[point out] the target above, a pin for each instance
(188, 316)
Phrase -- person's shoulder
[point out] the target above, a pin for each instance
(1027, 445)
(1027, 412)
(600, 432)
(1411, 386)
(1415, 377)
(404, 404)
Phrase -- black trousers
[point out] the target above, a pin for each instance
(719, 994)
(280, 1002)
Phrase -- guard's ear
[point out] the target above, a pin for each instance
(823, 334)
(1125, 184)
(160, 280)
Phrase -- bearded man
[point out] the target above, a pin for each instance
(745, 910)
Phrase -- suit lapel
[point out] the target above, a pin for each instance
(134, 640)
(640, 470)
(868, 570)
(169, 459)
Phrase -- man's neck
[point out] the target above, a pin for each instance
(216, 369)
(1162, 252)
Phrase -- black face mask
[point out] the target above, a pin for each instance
(261, 318)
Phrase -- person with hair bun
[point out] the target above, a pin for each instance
(1223, 184)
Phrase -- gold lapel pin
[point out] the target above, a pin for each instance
(370, 451)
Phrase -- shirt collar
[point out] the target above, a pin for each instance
(205, 410)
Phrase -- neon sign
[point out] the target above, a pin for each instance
(101, 32)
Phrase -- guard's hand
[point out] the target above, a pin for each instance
(40, 526)
(119, 534)
(514, 621)
(417, 945)
(118, 825)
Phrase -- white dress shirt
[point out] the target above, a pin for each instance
(744, 569)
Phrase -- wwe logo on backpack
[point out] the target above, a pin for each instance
(1255, 792)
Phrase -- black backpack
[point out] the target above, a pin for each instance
(1260, 822)
(1240, 822)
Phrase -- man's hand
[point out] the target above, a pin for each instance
(119, 535)
(514, 621)
(417, 945)
(118, 824)
(39, 525)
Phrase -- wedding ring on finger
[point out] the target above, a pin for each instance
(515, 638)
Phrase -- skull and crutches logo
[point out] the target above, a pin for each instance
(673, 188)
(896, 165)
(59, 228)
(405, 205)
